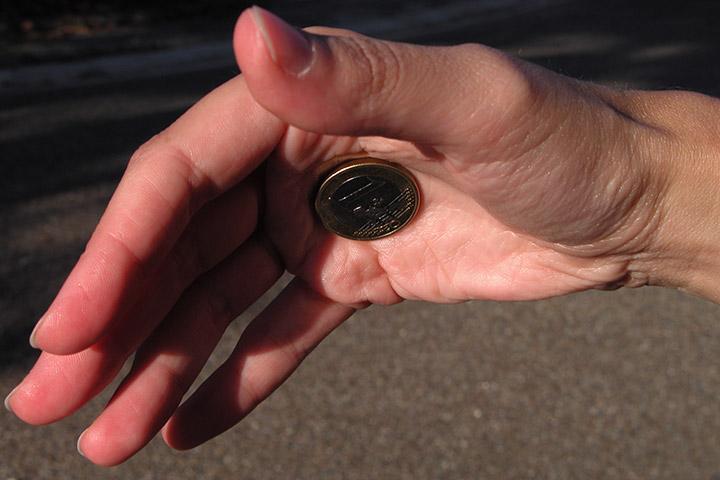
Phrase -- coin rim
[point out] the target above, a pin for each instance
(357, 162)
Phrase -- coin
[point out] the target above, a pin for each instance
(367, 198)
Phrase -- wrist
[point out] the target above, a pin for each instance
(684, 250)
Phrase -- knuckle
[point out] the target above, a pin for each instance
(506, 78)
(381, 72)
(147, 151)
(161, 154)
(521, 92)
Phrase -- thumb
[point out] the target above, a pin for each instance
(349, 84)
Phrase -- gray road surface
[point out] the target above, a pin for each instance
(598, 385)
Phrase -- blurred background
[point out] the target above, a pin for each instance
(598, 385)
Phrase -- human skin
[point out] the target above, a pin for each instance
(533, 185)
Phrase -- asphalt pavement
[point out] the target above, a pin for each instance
(620, 385)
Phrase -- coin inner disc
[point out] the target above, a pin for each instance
(366, 199)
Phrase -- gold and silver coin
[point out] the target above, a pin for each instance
(367, 198)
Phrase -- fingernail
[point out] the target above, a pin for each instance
(33, 335)
(78, 443)
(288, 46)
(7, 399)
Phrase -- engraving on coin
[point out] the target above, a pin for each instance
(367, 198)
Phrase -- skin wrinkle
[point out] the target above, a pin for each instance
(627, 104)
(559, 173)
(636, 231)
(689, 252)
(464, 291)
(644, 200)
(117, 238)
(518, 266)
(380, 80)
(455, 259)
(188, 209)
(378, 275)
(444, 278)
(594, 275)
(516, 168)
(372, 277)
(605, 221)
(146, 267)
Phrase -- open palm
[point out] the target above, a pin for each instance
(453, 250)
(211, 212)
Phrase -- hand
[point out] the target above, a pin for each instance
(533, 185)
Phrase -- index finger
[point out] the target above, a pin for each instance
(207, 150)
